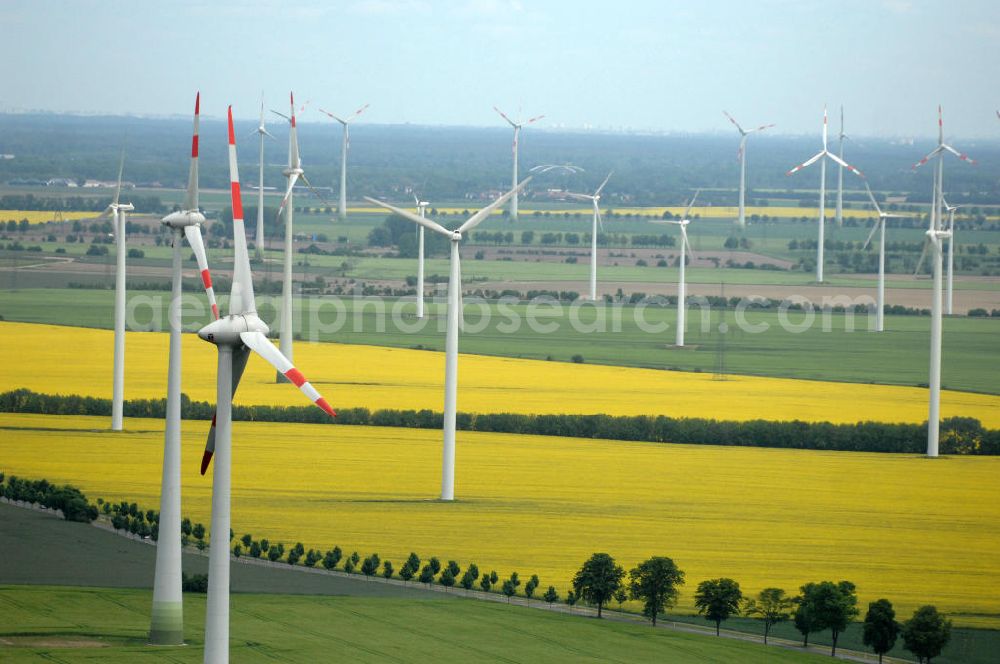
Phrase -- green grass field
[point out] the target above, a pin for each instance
(111, 626)
(897, 356)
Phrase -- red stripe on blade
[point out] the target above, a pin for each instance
(321, 402)
(295, 376)
(232, 134)
(205, 460)
(237, 201)
(215, 310)
(206, 278)
(194, 146)
(197, 103)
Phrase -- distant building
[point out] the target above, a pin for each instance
(61, 182)
(6, 156)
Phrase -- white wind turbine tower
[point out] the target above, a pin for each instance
(454, 313)
(118, 212)
(421, 210)
(293, 173)
(685, 254)
(235, 335)
(167, 623)
(935, 236)
(261, 131)
(741, 155)
(950, 209)
(880, 227)
(345, 144)
(595, 202)
(819, 156)
(517, 133)
(840, 171)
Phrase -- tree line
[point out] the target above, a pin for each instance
(959, 435)
(66, 498)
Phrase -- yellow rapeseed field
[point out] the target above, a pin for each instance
(65, 360)
(907, 528)
(42, 216)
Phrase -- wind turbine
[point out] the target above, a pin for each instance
(345, 144)
(235, 335)
(819, 156)
(118, 212)
(421, 210)
(880, 227)
(517, 132)
(261, 131)
(595, 201)
(935, 236)
(293, 173)
(454, 313)
(167, 623)
(685, 254)
(950, 209)
(741, 155)
(840, 171)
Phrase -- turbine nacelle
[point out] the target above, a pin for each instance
(226, 331)
(288, 172)
(183, 219)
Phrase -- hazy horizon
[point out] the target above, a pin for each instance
(646, 66)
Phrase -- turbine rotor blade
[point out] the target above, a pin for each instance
(580, 197)
(843, 163)
(429, 224)
(807, 163)
(930, 155)
(960, 155)
(240, 357)
(480, 216)
(923, 255)
(871, 197)
(241, 298)
(331, 115)
(735, 123)
(193, 235)
(191, 198)
(878, 221)
(261, 345)
(314, 191)
(121, 169)
(687, 211)
(599, 189)
(288, 192)
(504, 116)
(533, 120)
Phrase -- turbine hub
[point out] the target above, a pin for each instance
(288, 172)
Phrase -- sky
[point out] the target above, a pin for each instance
(666, 65)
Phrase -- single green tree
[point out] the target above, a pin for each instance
(427, 574)
(470, 576)
(570, 598)
(836, 605)
(494, 577)
(447, 579)
(655, 582)
(237, 550)
(551, 595)
(718, 600)
(255, 550)
(508, 589)
(926, 633)
(771, 606)
(621, 595)
(371, 564)
(454, 568)
(198, 531)
(484, 583)
(880, 627)
(531, 585)
(246, 539)
(387, 570)
(804, 619)
(332, 558)
(598, 579)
